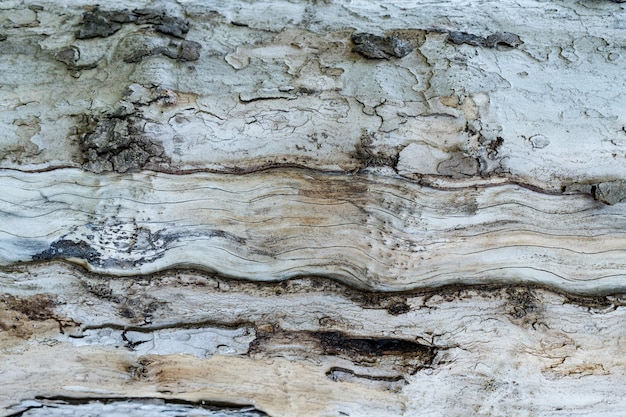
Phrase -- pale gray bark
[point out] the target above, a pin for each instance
(295, 208)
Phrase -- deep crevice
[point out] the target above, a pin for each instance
(336, 369)
(504, 180)
(178, 326)
(203, 404)
(316, 283)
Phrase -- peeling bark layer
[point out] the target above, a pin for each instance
(294, 208)
(528, 92)
(110, 407)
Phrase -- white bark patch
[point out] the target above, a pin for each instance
(241, 79)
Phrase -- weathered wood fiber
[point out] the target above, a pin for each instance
(312, 208)
(369, 231)
(310, 346)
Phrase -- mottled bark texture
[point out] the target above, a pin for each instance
(312, 208)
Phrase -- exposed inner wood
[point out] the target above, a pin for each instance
(312, 208)
(184, 335)
(370, 231)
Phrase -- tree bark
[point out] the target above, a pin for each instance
(295, 208)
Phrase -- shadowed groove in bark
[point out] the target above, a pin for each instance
(311, 283)
(137, 407)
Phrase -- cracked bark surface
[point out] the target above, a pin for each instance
(294, 208)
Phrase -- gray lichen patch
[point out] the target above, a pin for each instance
(611, 192)
(70, 56)
(608, 192)
(116, 143)
(458, 165)
(523, 307)
(189, 51)
(101, 23)
(499, 38)
(459, 38)
(366, 153)
(170, 25)
(380, 47)
(98, 23)
(503, 38)
(185, 51)
(64, 248)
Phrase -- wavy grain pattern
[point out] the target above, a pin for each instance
(312, 208)
(365, 230)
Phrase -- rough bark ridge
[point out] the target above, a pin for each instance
(324, 208)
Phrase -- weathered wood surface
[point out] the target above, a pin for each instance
(278, 83)
(369, 231)
(310, 346)
(260, 208)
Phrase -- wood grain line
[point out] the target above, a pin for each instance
(369, 231)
